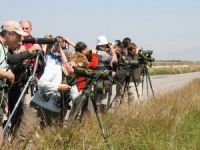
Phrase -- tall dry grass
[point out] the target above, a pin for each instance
(174, 67)
(172, 121)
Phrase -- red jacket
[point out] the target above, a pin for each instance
(92, 64)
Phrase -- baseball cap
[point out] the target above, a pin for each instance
(102, 40)
(12, 25)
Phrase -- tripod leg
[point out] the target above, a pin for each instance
(81, 101)
(142, 83)
(136, 88)
(147, 86)
(17, 104)
(151, 85)
(118, 93)
(103, 130)
(125, 87)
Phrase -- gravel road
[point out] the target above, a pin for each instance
(166, 83)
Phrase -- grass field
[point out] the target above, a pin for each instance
(174, 67)
(172, 121)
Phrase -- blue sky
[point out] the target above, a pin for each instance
(169, 27)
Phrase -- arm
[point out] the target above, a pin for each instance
(114, 55)
(16, 58)
(63, 56)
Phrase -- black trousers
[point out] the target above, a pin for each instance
(13, 97)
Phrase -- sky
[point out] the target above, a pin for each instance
(171, 28)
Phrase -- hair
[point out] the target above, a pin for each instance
(126, 41)
(60, 37)
(80, 46)
(131, 47)
(101, 47)
(3, 33)
(118, 43)
(80, 59)
(48, 46)
(30, 24)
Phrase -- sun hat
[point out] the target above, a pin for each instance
(102, 40)
(12, 25)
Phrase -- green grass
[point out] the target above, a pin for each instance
(172, 121)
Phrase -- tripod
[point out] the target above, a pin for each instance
(30, 80)
(127, 81)
(145, 75)
(86, 93)
(123, 85)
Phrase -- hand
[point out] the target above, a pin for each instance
(70, 66)
(5, 108)
(137, 50)
(112, 46)
(68, 41)
(113, 74)
(94, 51)
(35, 47)
(10, 76)
(63, 87)
(21, 49)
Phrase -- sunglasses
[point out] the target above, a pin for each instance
(25, 28)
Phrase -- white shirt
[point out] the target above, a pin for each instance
(52, 76)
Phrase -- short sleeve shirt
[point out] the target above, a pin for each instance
(3, 57)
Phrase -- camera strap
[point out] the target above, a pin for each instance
(5, 55)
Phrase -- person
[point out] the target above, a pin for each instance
(27, 27)
(81, 59)
(135, 74)
(107, 57)
(11, 36)
(125, 42)
(50, 84)
(119, 77)
(120, 72)
(84, 58)
(19, 59)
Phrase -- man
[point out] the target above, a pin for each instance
(107, 57)
(26, 26)
(10, 37)
(50, 84)
(19, 69)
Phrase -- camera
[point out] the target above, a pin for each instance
(129, 62)
(89, 73)
(144, 56)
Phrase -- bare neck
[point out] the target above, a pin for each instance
(2, 40)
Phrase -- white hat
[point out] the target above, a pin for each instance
(102, 40)
(12, 25)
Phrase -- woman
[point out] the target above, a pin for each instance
(84, 58)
